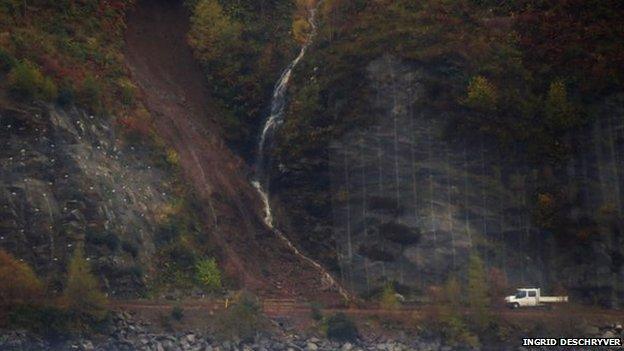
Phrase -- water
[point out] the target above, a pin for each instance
(275, 119)
(278, 102)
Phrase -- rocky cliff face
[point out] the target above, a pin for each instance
(68, 178)
(410, 203)
(410, 206)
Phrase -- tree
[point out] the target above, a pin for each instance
(478, 300)
(82, 294)
(208, 274)
(452, 292)
(301, 30)
(341, 328)
(19, 285)
(560, 114)
(213, 32)
(498, 284)
(389, 298)
(448, 318)
(482, 94)
(25, 80)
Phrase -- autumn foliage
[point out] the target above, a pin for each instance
(19, 285)
(66, 48)
(82, 294)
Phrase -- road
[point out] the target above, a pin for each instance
(279, 308)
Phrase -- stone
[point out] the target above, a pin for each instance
(311, 346)
(144, 340)
(347, 347)
(87, 345)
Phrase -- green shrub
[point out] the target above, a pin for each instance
(177, 313)
(559, 112)
(453, 329)
(25, 80)
(91, 94)
(316, 311)
(482, 94)
(478, 300)
(389, 298)
(208, 274)
(66, 94)
(52, 323)
(49, 91)
(131, 248)
(341, 328)
(243, 320)
(82, 294)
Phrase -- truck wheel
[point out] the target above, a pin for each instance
(515, 306)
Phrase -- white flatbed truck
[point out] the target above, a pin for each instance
(532, 297)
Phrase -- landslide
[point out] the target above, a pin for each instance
(174, 91)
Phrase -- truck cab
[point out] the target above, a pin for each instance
(524, 297)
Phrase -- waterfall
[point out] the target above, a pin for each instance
(275, 119)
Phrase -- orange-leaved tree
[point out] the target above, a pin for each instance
(19, 285)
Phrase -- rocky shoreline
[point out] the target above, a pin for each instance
(126, 333)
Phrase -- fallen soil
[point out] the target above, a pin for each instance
(176, 94)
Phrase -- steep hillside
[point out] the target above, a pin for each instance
(418, 134)
(67, 178)
(120, 148)
(184, 116)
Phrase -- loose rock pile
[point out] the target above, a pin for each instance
(128, 334)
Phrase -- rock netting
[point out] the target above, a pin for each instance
(67, 177)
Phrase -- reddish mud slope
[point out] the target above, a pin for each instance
(175, 92)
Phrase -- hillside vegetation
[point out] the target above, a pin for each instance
(522, 76)
(66, 51)
(58, 56)
(243, 47)
(518, 71)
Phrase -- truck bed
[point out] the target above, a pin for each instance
(553, 299)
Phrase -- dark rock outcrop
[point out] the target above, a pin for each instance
(410, 203)
(68, 178)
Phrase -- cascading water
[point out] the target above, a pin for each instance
(276, 118)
